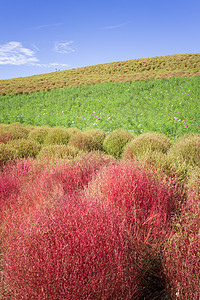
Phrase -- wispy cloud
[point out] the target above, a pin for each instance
(64, 47)
(46, 25)
(114, 26)
(13, 53)
(55, 64)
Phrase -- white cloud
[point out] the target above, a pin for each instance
(64, 47)
(49, 65)
(13, 53)
(47, 25)
(115, 26)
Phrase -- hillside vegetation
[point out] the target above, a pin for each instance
(100, 183)
(130, 70)
(169, 106)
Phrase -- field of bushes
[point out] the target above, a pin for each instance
(100, 183)
(96, 215)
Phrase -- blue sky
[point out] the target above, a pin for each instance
(39, 36)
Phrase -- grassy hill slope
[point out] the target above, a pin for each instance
(131, 70)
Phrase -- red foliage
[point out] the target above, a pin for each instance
(76, 251)
(181, 254)
(147, 200)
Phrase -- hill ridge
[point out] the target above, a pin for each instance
(128, 70)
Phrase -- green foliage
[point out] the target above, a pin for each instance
(24, 148)
(82, 141)
(57, 136)
(6, 153)
(147, 142)
(168, 106)
(72, 131)
(115, 142)
(98, 136)
(39, 134)
(13, 132)
(58, 151)
(187, 149)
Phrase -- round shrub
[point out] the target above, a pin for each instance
(58, 151)
(146, 198)
(24, 148)
(57, 136)
(74, 176)
(82, 141)
(187, 149)
(9, 133)
(181, 253)
(76, 251)
(115, 142)
(39, 134)
(98, 136)
(72, 131)
(147, 142)
(6, 153)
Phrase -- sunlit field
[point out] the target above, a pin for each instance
(169, 106)
(100, 189)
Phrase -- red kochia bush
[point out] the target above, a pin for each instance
(76, 251)
(75, 175)
(145, 197)
(181, 254)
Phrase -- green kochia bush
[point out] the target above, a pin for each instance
(187, 149)
(76, 251)
(39, 134)
(115, 142)
(147, 142)
(83, 141)
(58, 151)
(13, 132)
(24, 148)
(98, 138)
(57, 136)
(6, 153)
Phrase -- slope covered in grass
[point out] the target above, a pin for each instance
(130, 70)
(168, 106)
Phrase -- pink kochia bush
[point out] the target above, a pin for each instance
(78, 250)
(74, 175)
(146, 199)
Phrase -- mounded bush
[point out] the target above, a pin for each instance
(83, 142)
(57, 136)
(24, 148)
(13, 132)
(165, 164)
(75, 175)
(181, 253)
(6, 153)
(147, 142)
(187, 149)
(58, 151)
(76, 251)
(72, 131)
(146, 198)
(148, 202)
(39, 134)
(98, 138)
(115, 142)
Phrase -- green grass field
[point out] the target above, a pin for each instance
(169, 106)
